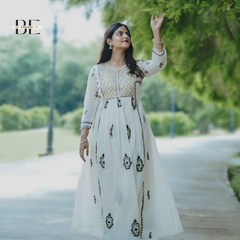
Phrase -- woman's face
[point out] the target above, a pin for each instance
(121, 38)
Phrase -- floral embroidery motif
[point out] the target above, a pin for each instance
(147, 156)
(119, 103)
(150, 235)
(127, 162)
(94, 197)
(96, 94)
(111, 129)
(109, 221)
(161, 64)
(128, 132)
(139, 164)
(102, 161)
(133, 101)
(148, 194)
(106, 103)
(135, 228)
(91, 162)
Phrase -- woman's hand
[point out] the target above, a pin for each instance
(83, 146)
(156, 22)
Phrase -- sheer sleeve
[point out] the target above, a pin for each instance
(156, 64)
(91, 100)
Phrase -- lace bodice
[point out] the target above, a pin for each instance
(115, 83)
(105, 82)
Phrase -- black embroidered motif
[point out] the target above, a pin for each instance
(96, 94)
(127, 162)
(102, 161)
(133, 101)
(85, 112)
(119, 103)
(106, 103)
(87, 122)
(94, 197)
(96, 152)
(147, 156)
(111, 130)
(150, 235)
(161, 64)
(99, 188)
(109, 221)
(139, 164)
(144, 118)
(135, 228)
(142, 210)
(93, 74)
(162, 52)
(91, 162)
(99, 118)
(148, 194)
(140, 119)
(128, 132)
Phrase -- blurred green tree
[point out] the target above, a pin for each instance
(202, 40)
(25, 73)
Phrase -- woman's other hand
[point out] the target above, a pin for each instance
(82, 147)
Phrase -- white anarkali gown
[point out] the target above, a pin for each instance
(123, 192)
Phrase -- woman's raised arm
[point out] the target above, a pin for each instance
(159, 53)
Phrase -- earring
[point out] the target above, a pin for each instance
(110, 47)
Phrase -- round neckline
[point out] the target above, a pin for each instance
(115, 68)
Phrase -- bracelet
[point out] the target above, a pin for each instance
(158, 43)
(83, 141)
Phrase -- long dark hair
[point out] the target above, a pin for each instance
(106, 53)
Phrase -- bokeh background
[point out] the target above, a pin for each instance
(197, 95)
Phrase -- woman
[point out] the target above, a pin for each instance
(123, 192)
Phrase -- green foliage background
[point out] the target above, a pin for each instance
(202, 40)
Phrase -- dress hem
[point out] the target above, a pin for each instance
(99, 233)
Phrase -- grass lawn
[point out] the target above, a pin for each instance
(21, 145)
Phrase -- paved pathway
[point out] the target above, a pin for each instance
(37, 196)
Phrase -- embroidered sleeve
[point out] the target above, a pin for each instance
(91, 101)
(156, 64)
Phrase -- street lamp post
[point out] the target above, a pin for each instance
(50, 125)
(52, 88)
